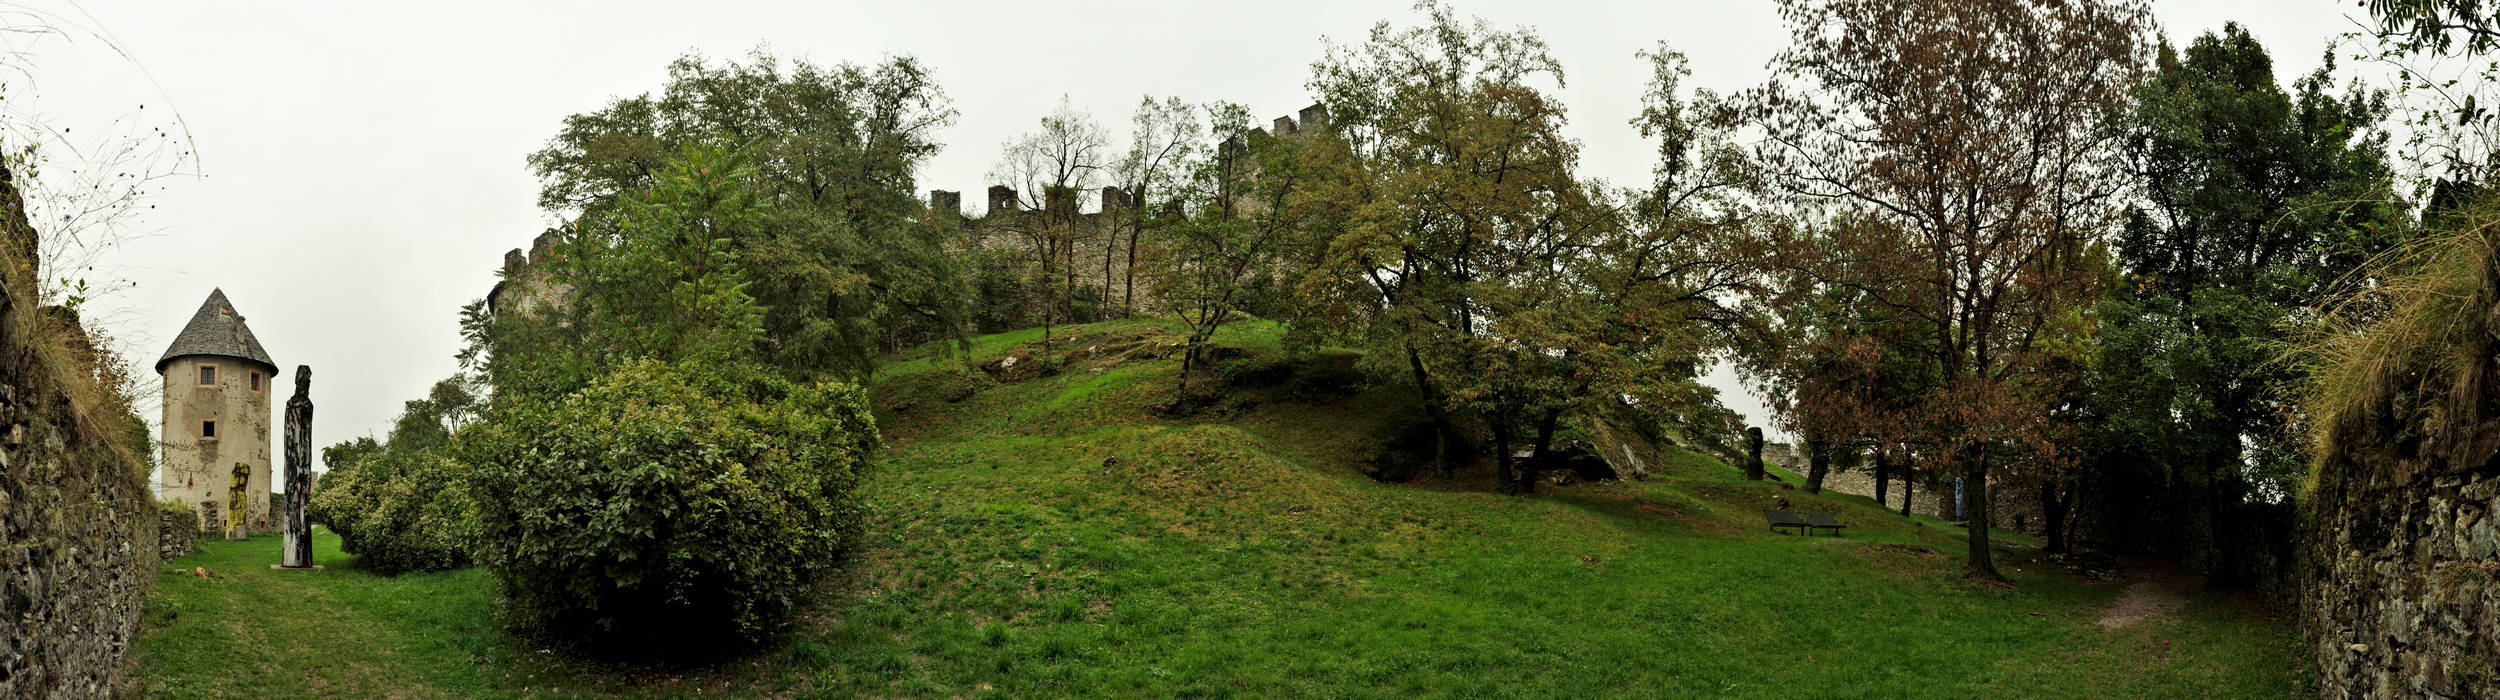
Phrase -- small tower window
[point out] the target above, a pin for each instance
(208, 375)
(208, 429)
(256, 380)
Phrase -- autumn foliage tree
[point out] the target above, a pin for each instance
(1967, 144)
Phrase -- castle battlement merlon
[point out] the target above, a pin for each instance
(1002, 198)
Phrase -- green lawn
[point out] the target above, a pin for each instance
(1053, 536)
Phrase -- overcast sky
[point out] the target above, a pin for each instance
(361, 165)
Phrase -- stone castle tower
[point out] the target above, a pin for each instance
(217, 386)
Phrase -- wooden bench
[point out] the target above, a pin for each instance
(1822, 521)
(1784, 518)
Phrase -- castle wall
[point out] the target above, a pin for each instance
(2011, 506)
(78, 529)
(1100, 247)
(199, 472)
(2403, 563)
(527, 283)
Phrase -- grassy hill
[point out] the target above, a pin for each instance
(1064, 534)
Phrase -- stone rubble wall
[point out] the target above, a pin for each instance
(2403, 598)
(80, 552)
(78, 524)
(2011, 506)
(177, 534)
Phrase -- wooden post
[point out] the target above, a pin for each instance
(297, 551)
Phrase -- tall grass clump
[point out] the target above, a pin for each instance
(2404, 351)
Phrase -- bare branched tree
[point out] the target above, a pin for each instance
(1052, 168)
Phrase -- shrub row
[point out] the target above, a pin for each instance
(398, 510)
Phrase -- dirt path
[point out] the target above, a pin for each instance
(2153, 594)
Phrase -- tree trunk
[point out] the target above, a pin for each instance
(1909, 483)
(1981, 566)
(1753, 454)
(1881, 474)
(2054, 509)
(1501, 446)
(1818, 464)
(1128, 282)
(1536, 457)
(1432, 411)
(1189, 360)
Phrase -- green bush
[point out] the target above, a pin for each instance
(667, 502)
(397, 510)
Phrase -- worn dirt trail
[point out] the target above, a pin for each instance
(2154, 593)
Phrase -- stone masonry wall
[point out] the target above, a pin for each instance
(2011, 506)
(78, 526)
(2399, 544)
(2403, 597)
(177, 534)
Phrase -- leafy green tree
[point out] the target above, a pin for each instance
(2438, 26)
(2256, 201)
(1454, 234)
(664, 279)
(1166, 145)
(1454, 164)
(427, 424)
(1619, 297)
(1210, 265)
(336, 457)
(2438, 54)
(857, 269)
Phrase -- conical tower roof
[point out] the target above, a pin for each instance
(217, 330)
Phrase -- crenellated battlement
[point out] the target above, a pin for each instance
(1095, 242)
(1002, 198)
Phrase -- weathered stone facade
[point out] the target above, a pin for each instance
(2400, 520)
(216, 414)
(527, 282)
(81, 534)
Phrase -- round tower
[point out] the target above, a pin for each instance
(217, 386)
